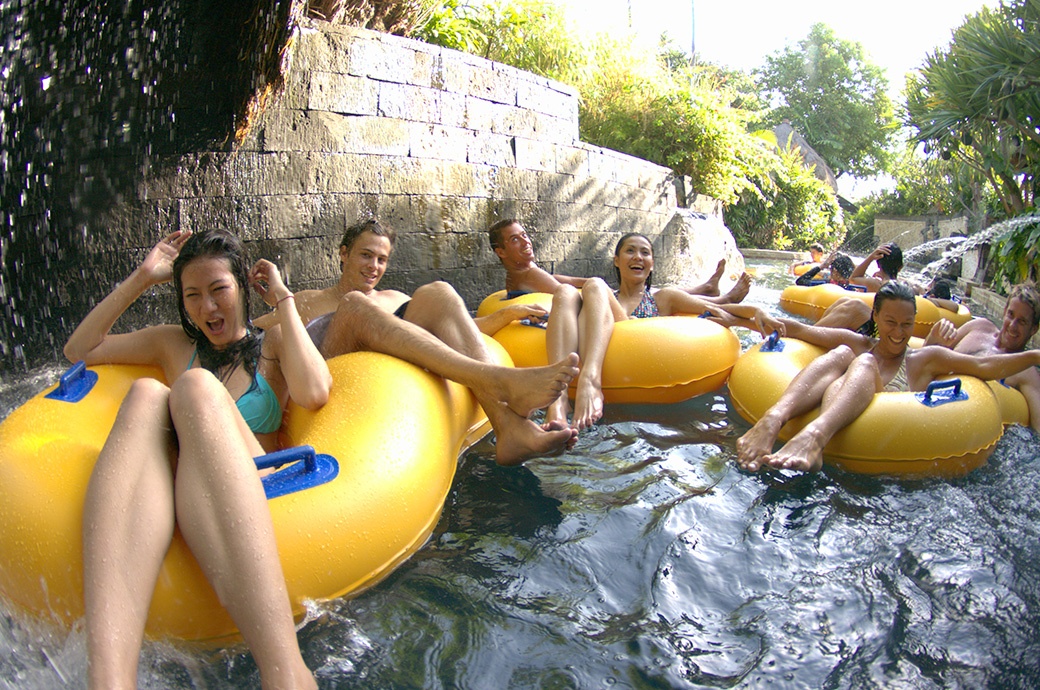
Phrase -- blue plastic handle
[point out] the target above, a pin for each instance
(942, 392)
(856, 288)
(772, 343)
(308, 469)
(74, 384)
(706, 314)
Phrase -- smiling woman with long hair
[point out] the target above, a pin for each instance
(181, 456)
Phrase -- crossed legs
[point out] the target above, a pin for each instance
(438, 334)
(141, 487)
(580, 322)
(841, 383)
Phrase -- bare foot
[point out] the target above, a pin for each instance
(518, 439)
(532, 388)
(710, 287)
(588, 403)
(739, 291)
(556, 415)
(758, 442)
(556, 426)
(803, 453)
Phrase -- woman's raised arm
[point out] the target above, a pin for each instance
(92, 341)
(304, 369)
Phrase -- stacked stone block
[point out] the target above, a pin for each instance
(438, 144)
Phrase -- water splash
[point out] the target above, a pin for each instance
(993, 233)
(926, 248)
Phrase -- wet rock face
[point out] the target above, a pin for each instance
(93, 96)
(140, 131)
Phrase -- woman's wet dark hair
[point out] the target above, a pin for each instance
(893, 263)
(843, 266)
(246, 352)
(941, 289)
(617, 253)
(894, 289)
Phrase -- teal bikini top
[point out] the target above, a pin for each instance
(258, 405)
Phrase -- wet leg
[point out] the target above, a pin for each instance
(845, 313)
(360, 325)
(845, 400)
(128, 520)
(805, 392)
(738, 292)
(595, 326)
(561, 339)
(710, 287)
(437, 308)
(223, 515)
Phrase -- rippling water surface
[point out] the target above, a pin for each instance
(646, 559)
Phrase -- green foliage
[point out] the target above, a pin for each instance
(835, 97)
(788, 208)
(978, 100)
(976, 103)
(1015, 254)
(680, 119)
(449, 25)
(532, 35)
(924, 186)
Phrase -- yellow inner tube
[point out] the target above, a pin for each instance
(896, 435)
(395, 430)
(810, 301)
(663, 359)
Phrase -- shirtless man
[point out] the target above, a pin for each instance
(981, 337)
(580, 322)
(432, 330)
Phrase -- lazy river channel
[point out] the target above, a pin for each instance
(646, 559)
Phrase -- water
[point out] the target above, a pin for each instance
(646, 559)
(960, 246)
(914, 254)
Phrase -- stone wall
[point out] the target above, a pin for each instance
(437, 143)
(910, 231)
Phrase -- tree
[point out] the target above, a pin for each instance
(692, 119)
(788, 207)
(835, 97)
(978, 100)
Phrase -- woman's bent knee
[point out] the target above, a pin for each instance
(593, 285)
(147, 399)
(193, 389)
(566, 295)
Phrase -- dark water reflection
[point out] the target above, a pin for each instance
(646, 559)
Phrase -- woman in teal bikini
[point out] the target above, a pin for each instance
(182, 455)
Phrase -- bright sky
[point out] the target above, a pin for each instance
(897, 34)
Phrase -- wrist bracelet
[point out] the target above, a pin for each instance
(289, 296)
